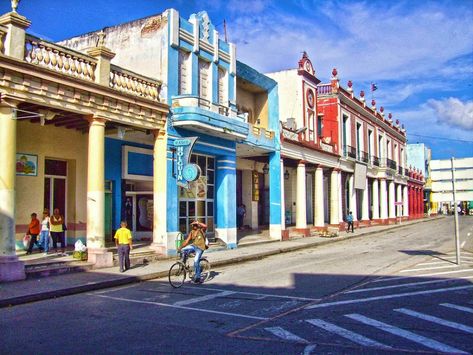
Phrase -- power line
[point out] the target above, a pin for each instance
(447, 139)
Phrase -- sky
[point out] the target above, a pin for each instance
(419, 53)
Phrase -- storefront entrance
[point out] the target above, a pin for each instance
(55, 186)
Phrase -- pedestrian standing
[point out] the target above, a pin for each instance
(350, 222)
(44, 235)
(57, 232)
(33, 231)
(123, 241)
(241, 213)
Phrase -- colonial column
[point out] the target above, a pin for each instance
(405, 202)
(160, 239)
(365, 204)
(97, 253)
(334, 197)
(383, 198)
(275, 201)
(11, 268)
(399, 199)
(319, 218)
(301, 220)
(391, 207)
(353, 203)
(375, 199)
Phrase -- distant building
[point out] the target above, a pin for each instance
(419, 157)
(442, 187)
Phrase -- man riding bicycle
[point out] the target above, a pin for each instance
(195, 242)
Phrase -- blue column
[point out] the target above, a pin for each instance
(172, 198)
(231, 87)
(194, 74)
(275, 188)
(226, 200)
(173, 73)
(215, 83)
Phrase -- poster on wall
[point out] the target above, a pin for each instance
(197, 189)
(144, 213)
(26, 164)
(255, 186)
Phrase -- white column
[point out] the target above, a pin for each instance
(334, 200)
(160, 240)
(340, 197)
(383, 198)
(405, 202)
(392, 197)
(365, 204)
(375, 199)
(97, 253)
(283, 201)
(301, 220)
(353, 206)
(319, 217)
(11, 269)
(399, 199)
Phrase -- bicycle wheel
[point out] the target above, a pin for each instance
(204, 270)
(177, 274)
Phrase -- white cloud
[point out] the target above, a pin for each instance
(453, 112)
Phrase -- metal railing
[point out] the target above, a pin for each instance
(374, 160)
(349, 151)
(391, 164)
(363, 156)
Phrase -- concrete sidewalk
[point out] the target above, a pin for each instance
(30, 290)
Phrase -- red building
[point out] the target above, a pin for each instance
(416, 184)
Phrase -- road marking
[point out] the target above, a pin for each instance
(437, 320)
(347, 334)
(203, 298)
(408, 284)
(460, 308)
(397, 295)
(442, 262)
(430, 268)
(423, 275)
(259, 294)
(179, 307)
(430, 343)
(284, 334)
(308, 349)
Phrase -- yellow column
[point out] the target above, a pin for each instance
(11, 268)
(97, 253)
(160, 240)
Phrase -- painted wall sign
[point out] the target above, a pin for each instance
(291, 135)
(186, 172)
(255, 186)
(26, 164)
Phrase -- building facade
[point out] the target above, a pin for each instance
(419, 157)
(206, 131)
(339, 154)
(57, 106)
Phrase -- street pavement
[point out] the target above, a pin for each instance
(30, 290)
(389, 291)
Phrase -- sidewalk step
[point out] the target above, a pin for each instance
(56, 268)
(141, 258)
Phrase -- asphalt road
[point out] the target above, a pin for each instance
(391, 292)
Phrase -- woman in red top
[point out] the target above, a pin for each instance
(33, 231)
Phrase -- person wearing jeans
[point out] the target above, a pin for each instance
(33, 231)
(44, 235)
(195, 242)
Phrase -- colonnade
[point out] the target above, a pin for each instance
(381, 199)
(416, 201)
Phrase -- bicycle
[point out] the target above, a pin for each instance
(180, 269)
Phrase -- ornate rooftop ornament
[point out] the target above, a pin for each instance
(101, 39)
(14, 5)
(334, 73)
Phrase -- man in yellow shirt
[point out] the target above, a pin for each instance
(123, 241)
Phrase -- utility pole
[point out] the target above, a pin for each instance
(457, 237)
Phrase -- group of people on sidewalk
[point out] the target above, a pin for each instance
(53, 227)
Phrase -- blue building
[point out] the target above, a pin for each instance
(222, 134)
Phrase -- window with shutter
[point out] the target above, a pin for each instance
(183, 72)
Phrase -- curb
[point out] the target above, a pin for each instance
(124, 280)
